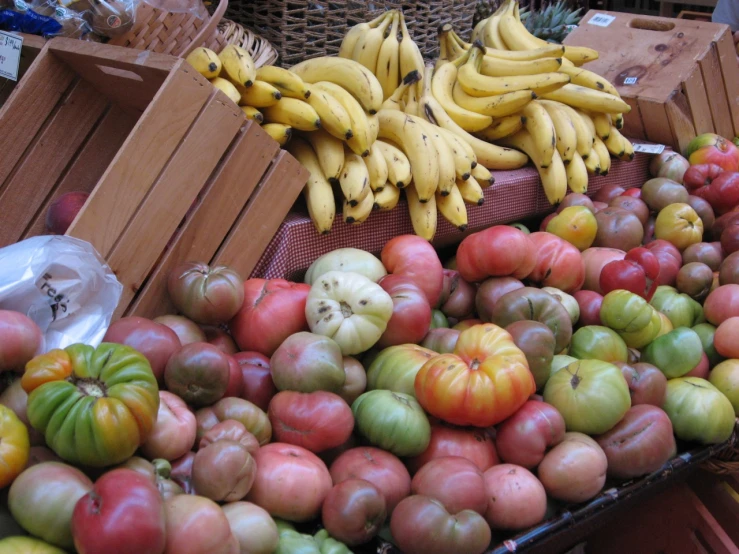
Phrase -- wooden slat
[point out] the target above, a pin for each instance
(44, 163)
(656, 123)
(267, 207)
(633, 124)
(139, 161)
(90, 162)
(32, 45)
(710, 531)
(695, 91)
(79, 54)
(200, 237)
(713, 79)
(678, 112)
(730, 71)
(144, 240)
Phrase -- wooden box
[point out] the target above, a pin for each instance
(32, 45)
(680, 77)
(175, 171)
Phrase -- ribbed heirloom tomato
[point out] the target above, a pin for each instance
(485, 381)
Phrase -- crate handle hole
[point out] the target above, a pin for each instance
(651, 25)
(123, 73)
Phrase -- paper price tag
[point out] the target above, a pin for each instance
(601, 20)
(649, 148)
(630, 80)
(10, 55)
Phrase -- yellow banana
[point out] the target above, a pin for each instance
(548, 51)
(450, 49)
(580, 55)
(394, 101)
(618, 120)
(423, 214)
(318, 193)
(603, 156)
(565, 130)
(496, 67)
(359, 142)
(483, 176)
(588, 122)
(593, 161)
(387, 68)
(619, 146)
(514, 34)
(334, 118)
(205, 61)
(373, 128)
(588, 99)
(252, 113)
(491, 33)
(577, 175)
(408, 131)
(452, 208)
(471, 192)
(499, 105)
(260, 95)
(348, 74)
(541, 128)
(628, 149)
(602, 123)
(279, 132)
(554, 177)
(330, 153)
(296, 113)
(447, 167)
(398, 166)
(503, 127)
(354, 179)
(442, 86)
(355, 33)
(376, 168)
(411, 100)
(464, 157)
(284, 80)
(227, 88)
(238, 66)
(585, 78)
(410, 56)
(387, 197)
(584, 136)
(359, 213)
(368, 46)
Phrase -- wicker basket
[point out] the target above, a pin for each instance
(302, 29)
(261, 50)
(728, 460)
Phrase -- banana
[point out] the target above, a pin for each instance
(359, 213)
(284, 80)
(205, 61)
(260, 95)
(442, 86)
(410, 56)
(359, 142)
(393, 102)
(471, 192)
(447, 167)
(503, 127)
(330, 153)
(423, 214)
(464, 157)
(387, 197)
(348, 74)
(353, 35)
(499, 105)
(588, 122)
(618, 146)
(408, 131)
(411, 100)
(593, 161)
(373, 128)
(514, 34)
(334, 118)
(603, 156)
(227, 88)
(296, 113)
(252, 113)
(452, 208)
(554, 177)
(483, 176)
(354, 179)
(491, 33)
(377, 169)
(588, 99)
(565, 130)
(238, 66)
(496, 67)
(387, 68)
(279, 132)
(548, 51)
(577, 174)
(318, 193)
(583, 134)
(398, 166)
(618, 120)
(580, 55)
(541, 128)
(588, 79)
(602, 123)
(368, 46)
(450, 49)
(628, 149)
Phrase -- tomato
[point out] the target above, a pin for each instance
(472, 444)
(702, 369)
(660, 192)
(729, 270)
(670, 165)
(272, 310)
(589, 303)
(233, 430)
(485, 381)
(455, 482)
(307, 362)
(27, 545)
(575, 224)
(575, 199)
(608, 193)
(205, 294)
(158, 472)
(517, 499)
(15, 398)
(679, 225)
(631, 317)
(726, 338)
(710, 148)
(97, 525)
(574, 470)
(22, 340)
(346, 259)
(354, 511)
(490, 291)
(355, 382)
(395, 368)
(591, 395)
(411, 316)
(695, 279)
(457, 296)
(223, 471)
(595, 260)
(253, 527)
(537, 343)
(704, 211)
(441, 341)
(198, 373)
(291, 482)
(259, 387)
(79, 387)
(412, 256)
(438, 320)
(722, 303)
(421, 525)
(698, 410)
(220, 339)
(42, 500)
(647, 384)
(466, 324)
(524, 438)
(392, 421)
(567, 300)
(669, 258)
(634, 193)
(187, 331)
(316, 421)
(558, 263)
(173, 434)
(496, 252)
(725, 377)
(195, 525)
(707, 332)
(618, 228)
(250, 416)
(637, 206)
(730, 237)
(596, 342)
(680, 309)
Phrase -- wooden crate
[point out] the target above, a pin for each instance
(680, 77)
(175, 171)
(32, 45)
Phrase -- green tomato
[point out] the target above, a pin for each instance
(438, 320)
(725, 377)
(559, 361)
(330, 545)
(521, 227)
(395, 368)
(630, 316)
(679, 308)
(674, 353)
(698, 411)
(27, 545)
(292, 542)
(392, 421)
(706, 331)
(596, 342)
(591, 395)
(639, 339)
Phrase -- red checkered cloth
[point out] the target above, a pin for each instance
(514, 196)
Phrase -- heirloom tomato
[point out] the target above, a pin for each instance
(670, 261)
(596, 342)
(679, 225)
(537, 342)
(729, 270)
(698, 410)
(187, 331)
(14, 446)
(307, 362)
(173, 434)
(223, 471)
(574, 470)
(198, 373)
(595, 260)
(589, 303)
(695, 279)
(567, 300)
(395, 368)
(710, 148)
(196, 524)
(411, 316)
(727, 338)
(355, 382)
(441, 341)
(660, 192)
(576, 225)
(496, 252)
(647, 384)
(631, 317)
(27, 545)
(253, 527)
(346, 259)
(259, 387)
(249, 415)
(414, 257)
(354, 511)
(475, 445)
(458, 296)
(558, 263)
(722, 303)
(618, 228)
(680, 309)
(22, 340)
(725, 377)
(207, 295)
(516, 497)
(524, 438)
(490, 291)
(455, 482)
(670, 165)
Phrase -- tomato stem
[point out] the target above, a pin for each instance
(91, 387)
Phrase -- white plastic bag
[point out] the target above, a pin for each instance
(62, 284)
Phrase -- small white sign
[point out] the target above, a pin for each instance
(601, 20)
(10, 55)
(630, 80)
(649, 148)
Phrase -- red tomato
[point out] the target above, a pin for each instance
(198, 373)
(220, 339)
(485, 381)
(185, 329)
(702, 369)
(232, 430)
(595, 259)
(235, 384)
(722, 304)
(411, 311)
(575, 199)
(608, 193)
(205, 294)
(730, 237)
(182, 472)
(474, 445)
(291, 482)
(259, 388)
(726, 339)
(709, 148)
(414, 257)
(524, 438)
(634, 193)
(196, 524)
(21, 340)
(517, 498)
(647, 384)
(354, 511)
(316, 421)
(670, 261)
(273, 310)
(455, 482)
(173, 434)
(122, 514)
(490, 291)
(458, 296)
(253, 527)
(589, 302)
(496, 252)
(558, 263)
(382, 469)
